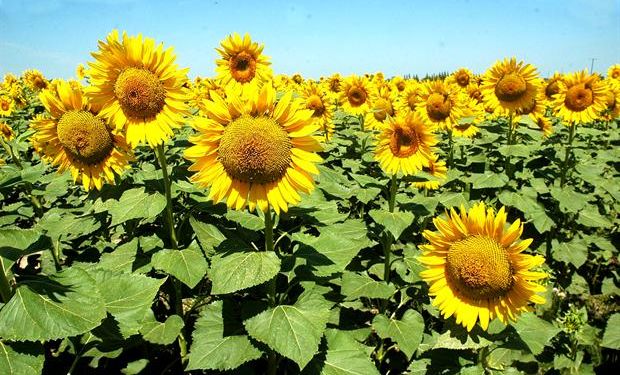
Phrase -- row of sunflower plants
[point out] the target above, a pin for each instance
(260, 223)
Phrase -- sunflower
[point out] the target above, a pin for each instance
(535, 108)
(75, 137)
(436, 168)
(544, 125)
(581, 99)
(201, 90)
(612, 102)
(332, 85)
(440, 103)
(399, 83)
(355, 95)
(552, 86)
(405, 145)
(80, 72)
(316, 100)
(508, 85)
(614, 72)
(138, 87)
(408, 98)
(7, 105)
(242, 63)
(297, 79)
(476, 269)
(35, 80)
(382, 107)
(253, 151)
(6, 132)
(462, 78)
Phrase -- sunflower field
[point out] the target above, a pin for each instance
(259, 223)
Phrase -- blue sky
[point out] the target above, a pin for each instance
(321, 37)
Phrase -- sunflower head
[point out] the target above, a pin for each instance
(242, 62)
(355, 94)
(462, 77)
(74, 136)
(382, 107)
(476, 268)
(614, 72)
(552, 85)
(440, 103)
(7, 105)
(405, 145)
(138, 88)
(35, 80)
(253, 151)
(509, 85)
(436, 168)
(6, 132)
(582, 98)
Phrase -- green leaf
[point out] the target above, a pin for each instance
(135, 204)
(292, 330)
(574, 252)
(135, 367)
(345, 356)
(245, 219)
(236, 271)
(515, 150)
(128, 297)
(18, 239)
(65, 304)
(162, 333)
(406, 332)
(213, 350)
(355, 286)
(535, 332)
(459, 339)
(569, 200)
(208, 235)
(394, 222)
(188, 265)
(488, 180)
(611, 337)
(591, 218)
(66, 224)
(21, 358)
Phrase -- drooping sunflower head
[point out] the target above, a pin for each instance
(581, 99)
(509, 85)
(476, 268)
(6, 132)
(242, 62)
(317, 100)
(355, 94)
(461, 77)
(405, 145)
(73, 136)
(382, 107)
(138, 87)
(436, 168)
(544, 125)
(440, 103)
(251, 150)
(35, 80)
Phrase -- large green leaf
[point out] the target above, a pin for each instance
(236, 271)
(18, 239)
(569, 200)
(535, 332)
(135, 204)
(406, 332)
(488, 180)
(292, 330)
(355, 286)
(611, 337)
(128, 297)
(574, 252)
(188, 265)
(45, 308)
(208, 235)
(161, 333)
(212, 349)
(591, 218)
(394, 222)
(345, 356)
(21, 358)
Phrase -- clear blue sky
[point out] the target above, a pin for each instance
(321, 37)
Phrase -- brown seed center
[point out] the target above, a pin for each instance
(404, 142)
(242, 67)
(140, 93)
(84, 136)
(579, 97)
(357, 96)
(438, 106)
(510, 87)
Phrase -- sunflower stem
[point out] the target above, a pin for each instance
(5, 287)
(387, 249)
(509, 136)
(361, 119)
(272, 357)
(450, 149)
(33, 198)
(161, 158)
(567, 153)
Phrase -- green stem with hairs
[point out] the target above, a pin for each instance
(451, 149)
(567, 153)
(507, 167)
(387, 249)
(272, 357)
(161, 158)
